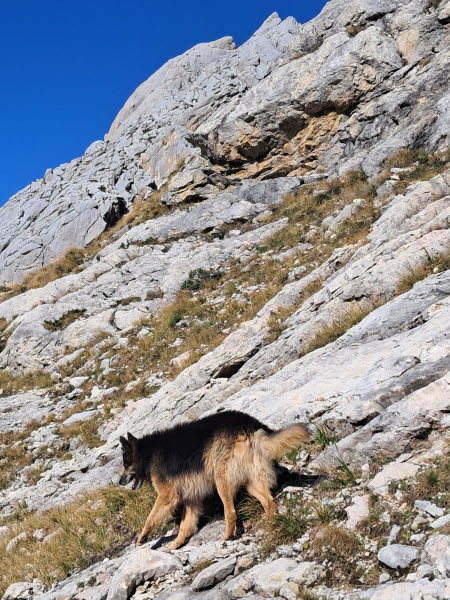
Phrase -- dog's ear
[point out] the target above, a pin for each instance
(131, 438)
(125, 443)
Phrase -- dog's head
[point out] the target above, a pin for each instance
(129, 454)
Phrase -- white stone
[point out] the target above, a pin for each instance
(357, 511)
(397, 556)
(392, 472)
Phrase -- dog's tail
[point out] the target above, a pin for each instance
(277, 443)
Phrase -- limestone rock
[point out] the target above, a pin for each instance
(397, 556)
(357, 511)
(142, 565)
(23, 591)
(267, 579)
(214, 574)
(392, 472)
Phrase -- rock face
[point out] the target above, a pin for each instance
(342, 91)
(348, 294)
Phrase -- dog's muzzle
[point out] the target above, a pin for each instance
(127, 478)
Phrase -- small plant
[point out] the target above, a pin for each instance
(34, 474)
(429, 264)
(325, 513)
(175, 319)
(154, 294)
(314, 47)
(292, 456)
(343, 475)
(68, 318)
(291, 524)
(305, 594)
(86, 430)
(340, 547)
(150, 241)
(373, 525)
(324, 436)
(347, 475)
(198, 277)
(249, 508)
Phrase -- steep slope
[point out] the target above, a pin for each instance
(298, 272)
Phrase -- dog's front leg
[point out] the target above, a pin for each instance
(162, 511)
(188, 526)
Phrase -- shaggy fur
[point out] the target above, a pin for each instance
(186, 463)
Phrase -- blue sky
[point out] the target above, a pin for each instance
(67, 67)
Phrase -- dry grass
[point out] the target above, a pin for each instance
(98, 525)
(69, 263)
(353, 29)
(283, 528)
(14, 455)
(11, 384)
(87, 431)
(432, 483)
(3, 336)
(341, 548)
(200, 324)
(196, 321)
(331, 332)
(428, 266)
(426, 166)
(34, 474)
(277, 321)
(69, 317)
(313, 203)
(374, 525)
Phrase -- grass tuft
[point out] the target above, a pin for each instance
(11, 384)
(69, 317)
(331, 332)
(428, 266)
(340, 547)
(99, 525)
(324, 436)
(198, 277)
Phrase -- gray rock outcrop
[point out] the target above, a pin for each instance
(341, 92)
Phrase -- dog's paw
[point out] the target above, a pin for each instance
(172, 546)
(141, 540)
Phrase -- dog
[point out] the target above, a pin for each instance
(225, 451)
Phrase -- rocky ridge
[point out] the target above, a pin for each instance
(307, 232)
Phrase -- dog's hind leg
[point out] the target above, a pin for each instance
(165, 504)
(260, 491)
(188, 526)
(226, 493)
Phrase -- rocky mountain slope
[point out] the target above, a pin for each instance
(264, 228)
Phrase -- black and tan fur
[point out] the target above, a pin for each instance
(225, 451)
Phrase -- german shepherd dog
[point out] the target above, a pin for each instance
(226, 451)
